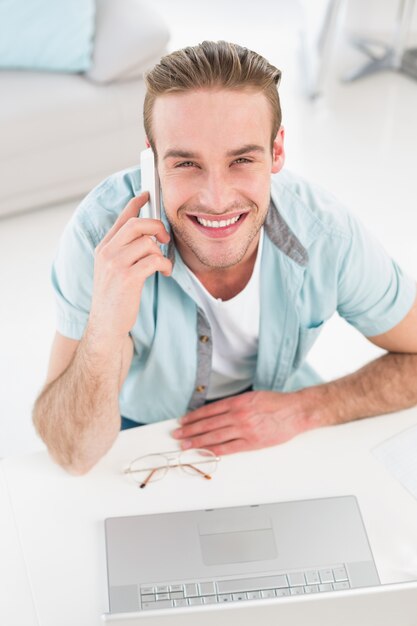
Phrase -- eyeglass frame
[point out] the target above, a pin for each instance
(169, 465)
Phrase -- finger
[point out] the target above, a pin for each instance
(132, 209)
(137, 227)
(208, 410)
(151, 264)
(134, 251)
(202, 426)
(230, 447)
(214, 437)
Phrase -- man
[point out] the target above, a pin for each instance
(208, 314)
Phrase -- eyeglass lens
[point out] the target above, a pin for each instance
(149, 468)
(198, 462)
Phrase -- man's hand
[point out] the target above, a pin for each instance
(252, 420)
(124, 259)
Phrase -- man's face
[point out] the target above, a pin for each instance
(215, 162)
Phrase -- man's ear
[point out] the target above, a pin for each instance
(278, 152)
(148, 145)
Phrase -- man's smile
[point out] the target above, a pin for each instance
(221, 226)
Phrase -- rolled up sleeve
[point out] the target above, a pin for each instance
(374, 294)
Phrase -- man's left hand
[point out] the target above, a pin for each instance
(251, 420)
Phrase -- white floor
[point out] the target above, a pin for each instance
(359, 141)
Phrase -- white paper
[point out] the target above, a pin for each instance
(399, 455)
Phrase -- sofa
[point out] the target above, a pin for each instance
(61, 133)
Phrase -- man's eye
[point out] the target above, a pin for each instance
(242, 160)
(185, 164)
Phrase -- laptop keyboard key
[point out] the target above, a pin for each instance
(326, 587)
(326, 576)
(210, 600)
(251, 584)
(312, 577)
(181, 602)
(176, 595)
(176, 588)
(195, 601)
(297, 591)
(225, 597)
(343, 584)
(282, 592)
(191, 590)
(268, 593)
(237, 597)
(311, 588)
(297, 579)
(163, 604)
(253, 595)
(161, 589)
(339, 574)
(162, 596)
(150, 597)
(148, 605)
(207, 589)
(146, 590)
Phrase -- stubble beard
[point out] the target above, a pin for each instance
(223, 259)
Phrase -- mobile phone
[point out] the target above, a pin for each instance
(150, 182)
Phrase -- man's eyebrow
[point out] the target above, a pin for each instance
(250, 147)
(185, 154)
(181, 154)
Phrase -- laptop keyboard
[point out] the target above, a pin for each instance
(212, 592)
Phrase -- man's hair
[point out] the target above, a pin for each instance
(212, 64)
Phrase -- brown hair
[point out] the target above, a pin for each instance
(212, 64)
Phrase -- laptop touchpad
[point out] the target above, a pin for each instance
(231, 541)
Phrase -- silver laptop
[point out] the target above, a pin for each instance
(266, 564)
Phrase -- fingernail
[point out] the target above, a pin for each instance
(186, 444)
(177, 433)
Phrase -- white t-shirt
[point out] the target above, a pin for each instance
(235, 332)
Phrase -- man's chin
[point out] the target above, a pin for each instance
(214, 254)
(218, 261)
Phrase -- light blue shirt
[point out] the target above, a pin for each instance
(316, 259)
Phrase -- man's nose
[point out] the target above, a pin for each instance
(216, 192)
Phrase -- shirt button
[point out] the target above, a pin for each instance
(204, 338)
(200, 388)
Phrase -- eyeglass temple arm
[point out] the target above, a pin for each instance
(148, 478)
(207, 476)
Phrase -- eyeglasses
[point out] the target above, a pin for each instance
(153, 467)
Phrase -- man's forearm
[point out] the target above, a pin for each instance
(77, 415)
(385, 385)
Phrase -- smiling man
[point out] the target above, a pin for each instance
(208, 315)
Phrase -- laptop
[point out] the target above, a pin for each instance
(266, 563)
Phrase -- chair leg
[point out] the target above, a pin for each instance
(391, 57)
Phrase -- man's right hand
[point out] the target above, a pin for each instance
(124, 259)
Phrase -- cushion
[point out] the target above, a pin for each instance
(60, 134)
(130, 37)
(46, 34)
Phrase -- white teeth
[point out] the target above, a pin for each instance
(216, 223)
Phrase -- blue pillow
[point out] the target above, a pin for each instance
(46, 34)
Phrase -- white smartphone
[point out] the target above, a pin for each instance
(150, 182)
